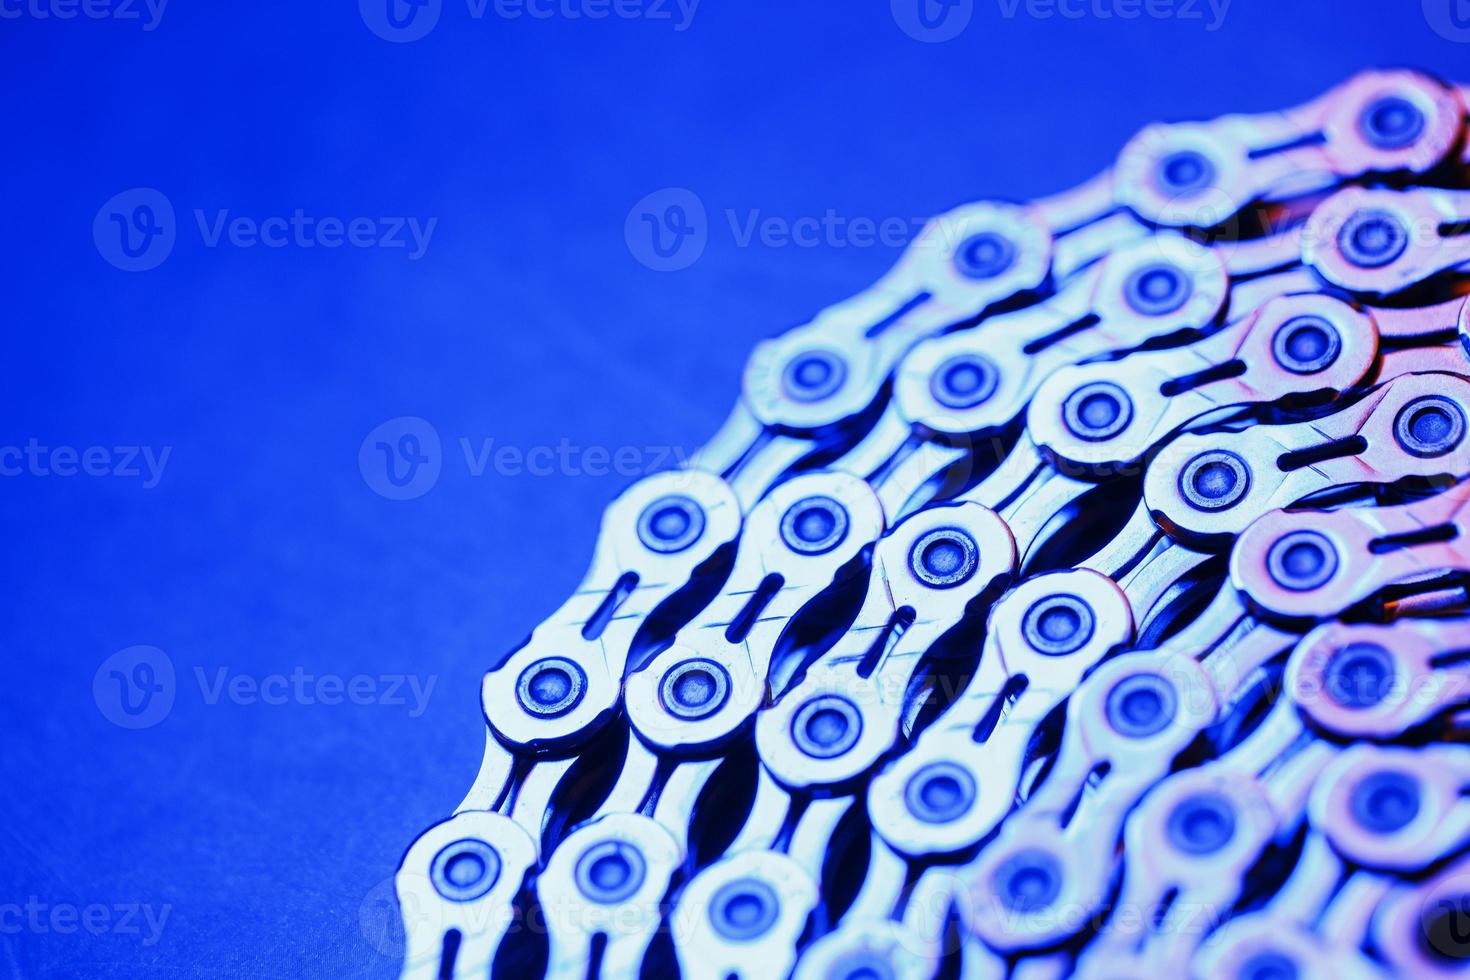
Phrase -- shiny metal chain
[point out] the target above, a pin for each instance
(1088, 596)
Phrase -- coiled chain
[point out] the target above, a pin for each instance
(1091, 595)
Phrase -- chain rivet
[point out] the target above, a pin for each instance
(610, 872)
(1185, 173)
(964, 381)
(744, 909)
(814, 376)
(940, 792)
(695, 689)
(1157, 290)
(1141, 705)
(465, 870)
(984, 255)
(1429, 426)
(1302, 561)
(1385, 802)
(671, 524)
(1359, 675)
(1306, 344)
(1058, 625)
(1097, 412)
(814, 525)
(1214, 480)
(1201, 824)
(1372, 238)
(1391, 123)
(827, 726)
(1028, 881)
(944, 558)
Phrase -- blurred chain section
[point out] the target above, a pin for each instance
(1090, 596)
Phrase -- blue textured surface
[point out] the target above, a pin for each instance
(263, 829)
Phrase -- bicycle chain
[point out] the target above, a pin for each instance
(910, 668)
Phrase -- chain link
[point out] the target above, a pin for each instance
(980, 638)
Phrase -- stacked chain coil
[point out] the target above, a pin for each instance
(1089, 596)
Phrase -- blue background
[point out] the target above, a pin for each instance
(265, 829)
